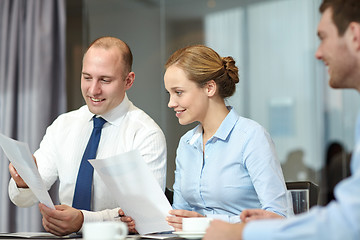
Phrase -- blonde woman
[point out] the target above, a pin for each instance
(227, 163)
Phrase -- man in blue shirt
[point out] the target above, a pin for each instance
(339, 33)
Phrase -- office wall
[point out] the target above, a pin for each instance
(283, 86)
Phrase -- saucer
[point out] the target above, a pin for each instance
(190, 235)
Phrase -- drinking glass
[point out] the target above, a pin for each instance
(300, 200)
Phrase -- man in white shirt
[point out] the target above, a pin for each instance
(339, 33)
(106, 76)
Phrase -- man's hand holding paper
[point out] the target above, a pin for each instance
(20, 183)
(23, 169)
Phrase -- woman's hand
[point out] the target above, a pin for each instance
(177, 215)
(128, 220)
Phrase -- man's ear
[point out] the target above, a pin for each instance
(354, 31)
(211, 88)
(129, 80)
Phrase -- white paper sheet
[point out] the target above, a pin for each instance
(20, 156)
(136, 190)
(35, 235)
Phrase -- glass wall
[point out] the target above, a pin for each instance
(282, 86)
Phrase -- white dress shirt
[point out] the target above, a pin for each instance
(59, 156)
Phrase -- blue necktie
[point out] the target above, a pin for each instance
(82, 194)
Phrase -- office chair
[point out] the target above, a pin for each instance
(169, 193)
(312, 188)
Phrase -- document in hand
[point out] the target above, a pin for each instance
(20, 156)
(137, 192)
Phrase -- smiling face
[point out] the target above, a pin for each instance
(189, 101)
(334, 52)
(103, 81)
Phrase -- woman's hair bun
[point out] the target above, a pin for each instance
(231, 69)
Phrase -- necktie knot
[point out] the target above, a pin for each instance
(98, 122)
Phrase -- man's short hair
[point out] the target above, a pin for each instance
(108, 42)
(344, 12)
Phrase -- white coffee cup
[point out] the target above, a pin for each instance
(196, 224)
(105, 231)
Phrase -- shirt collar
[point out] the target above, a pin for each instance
(115, 115)
(227, 125)
(223, 131)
